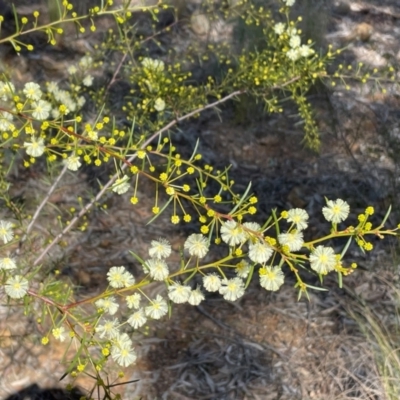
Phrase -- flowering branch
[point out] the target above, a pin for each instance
(100, 194)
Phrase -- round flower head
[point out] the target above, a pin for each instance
(35, 147)
(157, 268)
(6, 90)
(295, 41)
(59, 333)
(152, 64)
(16, 286)
(108, 305)
(32, 91)
(260, 252)
(6, 232)
(133, 301)
(81, 101)
(197, 245)
(87, 80)
(232, 233)
(289, 3)
(52, 87)
(212, 282)
(86, 62)
(299, 217)
(196, 297)
(70, 105)
(271, 278)
(159, 104)
(251, 228)
(108, 329)
(232, 289)
(323, 259)
(122, 352)
(5, 121)
(160, 248)
(336, 211)
(293, 54)
(293, 240)
(123, 356)
(121, 185)
(128, 279)
(122, 340)
(73, 162)
(137, 319)
(179, 293)
(114, 276)
(279, 28)
(41, 109)
(72, 69)
(157, 308)
(93, 135)
(119, 277)
(7, 263)
(242, 269)
(305, 51)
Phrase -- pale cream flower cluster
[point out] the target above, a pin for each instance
(152, 68)
(121, 185)
(109, 329)
(152, 64)
(289, 3)
(73, 162)
(197, 245)
(42, 106)
(36, 147)
(296, 50)
(179, 293)
(271, 278)
(336, 211)
(6, 231)
(63, 97)
(15, 286)
(323, 260)
(230, 289)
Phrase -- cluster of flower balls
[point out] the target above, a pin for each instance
(322, 259)
(296, 50)
(15, 286)
(43, 105)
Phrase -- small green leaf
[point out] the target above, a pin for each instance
(161, 211)
(316, 288)
(195, 150)
(250, 276)
(340, 280)
(344, 251)
(242, 199)
(275, 221)
(387, 215)
(141, 261)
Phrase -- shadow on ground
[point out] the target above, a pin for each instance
(34, 392)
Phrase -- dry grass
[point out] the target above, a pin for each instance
(380, 324)
(266, 347)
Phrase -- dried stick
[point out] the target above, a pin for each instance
(39, 209)
(45, 200)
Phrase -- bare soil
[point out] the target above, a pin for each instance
(267, 345)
